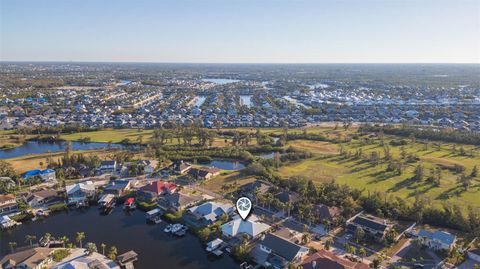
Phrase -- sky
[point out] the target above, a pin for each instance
(241, 31)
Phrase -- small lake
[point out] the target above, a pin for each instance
(126, 231)
(268, 155)
(37, 147)
(225, 164)
(246, 100)
(220, 81)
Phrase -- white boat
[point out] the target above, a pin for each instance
(168, 229)
(213, 245)
(176, 227)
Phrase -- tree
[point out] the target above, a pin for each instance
(12, 245)
(30, 238)
(474, 171)
(64, 240)
(362, 252)
(47, 237)
(91, 248)
(376, 262)
(328, 243)
(103, 246)
(359, 234)
(305, 238)
(79, 238)
(112, 253)
(418, 173)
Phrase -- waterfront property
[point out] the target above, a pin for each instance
(117, 187)
(281, 251)
(28, 259)
(8, 204)
(209, 212)
(153, 189)
(80, 192)
(47, 175)
(372, 226)
(177, 201)
(41, 198)
(326, 259)
(252, 227)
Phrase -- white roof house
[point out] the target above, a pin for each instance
(80, 191)
(251, 226)
(211, 211)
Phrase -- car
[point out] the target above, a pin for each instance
(348, 237)
(418, 265)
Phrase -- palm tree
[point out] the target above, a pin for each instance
(328, 243)
(91, 248)
(305, 238)
(79, 238)
(12, 245)
(112, 253)
(30, 238)
(47, 237)
(362, 252)
(64, 240)
(103, 246)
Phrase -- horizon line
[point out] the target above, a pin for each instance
(233, 63)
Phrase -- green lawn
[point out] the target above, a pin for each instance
(325, 167)
(110, 135)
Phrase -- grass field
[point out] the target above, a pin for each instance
(325, 167)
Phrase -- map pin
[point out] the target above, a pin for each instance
(244, 206)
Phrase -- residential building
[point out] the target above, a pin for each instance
(47, 175)
(153, 189)
(117, 187)
(326, 259)
(326, 213)
(375, 227)
(108, 166)
(209, 212)
(41, 198)
(181, 167)
(281, 251)
(438, 240)
(80, 192)
(203, 173)
(8, 204)
(177, 201)
(251, 227)
(34, 258)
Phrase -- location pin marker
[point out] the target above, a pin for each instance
(244, 206)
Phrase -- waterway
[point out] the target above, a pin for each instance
(225, 164)
(126, 231)
(37, 147)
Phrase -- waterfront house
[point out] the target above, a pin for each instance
(80, 192)
(209, 212)
(375, 227)
(117, 187)
(203, 173)
(252, 227)
(438, 240)
(8, 204)
(108, 166)
(41, 198)
(326, 259)
(82, 261)
(34, 258)
(177, 201)
(153, 189)
(281, 251)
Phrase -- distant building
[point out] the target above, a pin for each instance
(204, 173)
(108, 166)
(181, 167)
(47, 175)
(438, 240)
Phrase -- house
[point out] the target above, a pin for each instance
(34, 258)
(117, 187)
(148, 165)
(281, 251)
(326, 259)
(80, 192)
(40, 198)
(326, 213)
(209, 212)
(153, 189)
(94, 260)
(181, 167)
(8, 204)
(47, 175)
(108, 166)
(258, 186)
(204, 173)
(251, 226)
(177, 201)
(438, 240)
(287, 197)
(374, 227)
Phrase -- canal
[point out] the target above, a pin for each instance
(126, 231)
(37, 147)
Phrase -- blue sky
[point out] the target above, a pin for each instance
(270, 31)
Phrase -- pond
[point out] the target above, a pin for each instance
(225, 164)
(37, 147)
(220, 81)
(126, 231)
